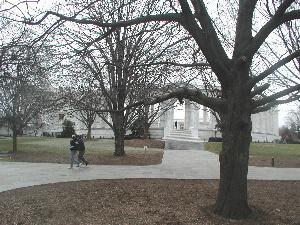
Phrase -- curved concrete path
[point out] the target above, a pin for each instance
(176, 164)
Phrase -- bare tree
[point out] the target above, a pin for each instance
(24, 88)
(148, 115)
(241, 88)
(293, 119)
(124, 62)
(84, 100)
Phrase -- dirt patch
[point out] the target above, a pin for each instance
(150, 143)
(145, 201)
(142, 158)
(280, 162)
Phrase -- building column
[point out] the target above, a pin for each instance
(155, 124)
(260, 121)
(204, 114)
(187, 114)
(272, 122)
(255, 122)
(162, 118)
(212, 121)
(269, 123)
(171, 119)
(275, 123)
(168, 121)
(265, 123)
(194, 121)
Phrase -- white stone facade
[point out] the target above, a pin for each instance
(201, 123)
(197, 120)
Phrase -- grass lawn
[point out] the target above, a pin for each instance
(286, 155)
(98, 151)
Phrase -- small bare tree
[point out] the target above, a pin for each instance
(84, 100)
(24, 88)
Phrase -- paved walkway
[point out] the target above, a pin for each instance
(176, 164)
(183, 145)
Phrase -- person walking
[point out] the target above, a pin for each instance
(74, 146)
(81, 151)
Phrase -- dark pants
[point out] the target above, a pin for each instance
(80, 156)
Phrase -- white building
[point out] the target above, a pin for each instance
(194, 122)
(197, 123)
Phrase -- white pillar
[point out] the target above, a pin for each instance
(165, 124)
(269, 124)
(213, 121)
(256, 122)
(168, 121)
(260, 127)
(171, 118)
(275, 123)
(187, 114)
(204, 114)
(265, 122)
(156, 122)
(194, 122)
(162, 119)
(272, 122)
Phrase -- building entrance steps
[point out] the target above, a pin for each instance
(183, 145)
(182, 135)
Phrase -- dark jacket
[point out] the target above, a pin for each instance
(74, 145)
(81, 146)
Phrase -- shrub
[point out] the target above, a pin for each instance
(215, 139)
(68, 129)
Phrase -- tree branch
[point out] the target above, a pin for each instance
(259, 90)
(163, 63)
(101, 37)
(145, 19)
(273, 68)
(279, 18)
(244, 25)
(206, 38)
(274, 103)
(274, 97)
(216, 104)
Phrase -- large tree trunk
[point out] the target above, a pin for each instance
(89, 132)
(146, 124)
(119, 133)
(232, 194)
(119, 143)
(15, 134)
(146, 134)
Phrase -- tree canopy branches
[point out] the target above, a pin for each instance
(197, 21)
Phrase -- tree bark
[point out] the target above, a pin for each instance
(232, 194)
(119, 144)
(15, 134)
(89, 132)
(146, 134)
(119, 132)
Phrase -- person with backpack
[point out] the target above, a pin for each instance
(74, 146)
